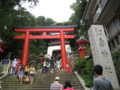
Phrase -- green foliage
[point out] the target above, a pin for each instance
(38, 66)
(84, 68)
(49, 21)
(42, 21)
(116, 61)
(88, 80)
(88, 49)
(63, 23)
(76, 19)
(23, 18)
(79, 8)
(47, 59)
(79, 64)
(89, 77)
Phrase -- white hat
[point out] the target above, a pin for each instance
(57, 78)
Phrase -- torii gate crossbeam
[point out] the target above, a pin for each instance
(44, 31)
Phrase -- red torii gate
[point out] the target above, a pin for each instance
(44, 30)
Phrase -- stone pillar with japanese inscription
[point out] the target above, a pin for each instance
(101, 53)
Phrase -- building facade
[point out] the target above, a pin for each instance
(106, 13)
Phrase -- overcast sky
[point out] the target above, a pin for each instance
(58, 10)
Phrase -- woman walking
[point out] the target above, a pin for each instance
(58, 65)
(21, 74)
(32, 73)
(26, 76)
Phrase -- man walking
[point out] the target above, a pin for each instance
(100, 82)
(56, 85)
(14, 64)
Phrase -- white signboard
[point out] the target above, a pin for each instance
(101, 53)
(5, 65)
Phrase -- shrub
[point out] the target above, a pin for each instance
(84, 68)
(116, 61)
(79, 64)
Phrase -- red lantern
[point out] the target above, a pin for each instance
(82, 46)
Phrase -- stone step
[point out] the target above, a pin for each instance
(34, 89)
(42, 82)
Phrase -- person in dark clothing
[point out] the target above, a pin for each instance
(68, 85)
(100, 82)
(52, 64)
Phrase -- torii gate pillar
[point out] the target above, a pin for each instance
(25, 49)
(63, 50)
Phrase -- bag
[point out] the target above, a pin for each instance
(27, 80)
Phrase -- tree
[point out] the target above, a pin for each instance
(49, 21)
(76, 18)
(42, 21)
(10, 17)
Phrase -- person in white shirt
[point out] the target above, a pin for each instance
(14, 64)
(44, 66)
(58, 65)
(48, 66)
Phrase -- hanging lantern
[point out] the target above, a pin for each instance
(82, 46)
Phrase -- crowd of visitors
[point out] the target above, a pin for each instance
(14, 66)
(51, 65)
(27, 73)
(24, 73)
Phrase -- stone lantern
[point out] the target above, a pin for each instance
(81, 44)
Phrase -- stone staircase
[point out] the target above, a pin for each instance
(42, 82)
